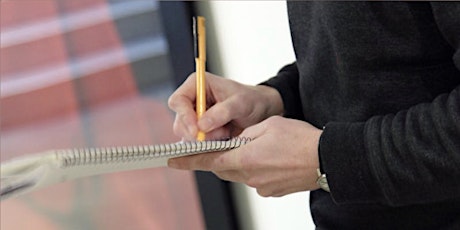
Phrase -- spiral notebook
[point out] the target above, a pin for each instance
(26, 174)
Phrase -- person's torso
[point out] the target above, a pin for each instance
(360, 59)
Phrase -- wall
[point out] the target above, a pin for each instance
(249, 41)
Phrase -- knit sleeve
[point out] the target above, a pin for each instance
(287, 84)
(407, 158)
(410, 157)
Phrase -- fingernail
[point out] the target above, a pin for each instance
(205, 124)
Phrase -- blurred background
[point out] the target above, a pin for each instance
(98, 73)
(91, 73)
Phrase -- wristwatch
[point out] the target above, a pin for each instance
(322, 181)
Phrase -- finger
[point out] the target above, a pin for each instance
(273, 188)
(255, 131)
(216, 161)
(201, 162)
(183, 99)
(185, 126)
(185, 123)
(281, 188)
(232, 175)
(221, 113)
(221, 133)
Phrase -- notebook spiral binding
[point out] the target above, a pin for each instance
(26, 174)
(108, 155)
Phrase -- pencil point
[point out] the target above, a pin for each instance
(201, 136)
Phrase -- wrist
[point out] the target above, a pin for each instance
(272, 100)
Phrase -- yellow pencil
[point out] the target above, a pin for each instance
(199, 32)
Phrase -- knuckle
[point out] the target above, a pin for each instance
(264, 192)
(226, 161)
(254, 182)
(172, 100)
(221, 175)
(175, 101)
(221, 161)
(273, 120)
(192, 75)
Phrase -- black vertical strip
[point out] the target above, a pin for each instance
(176, 17)
(216, 202)
(216, 197)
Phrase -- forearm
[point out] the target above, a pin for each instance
(407, 158)
(272, 100)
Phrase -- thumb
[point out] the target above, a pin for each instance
(220, 114)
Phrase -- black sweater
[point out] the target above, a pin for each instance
(384, 80)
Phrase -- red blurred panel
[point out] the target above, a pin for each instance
(54, 133)
(46, 103)
(33, 55)
(102, 86)
(159, 198)
(22, 211)
(14, 13)
(95, 39)
(165, 199)
(106, 86)
(93, 70)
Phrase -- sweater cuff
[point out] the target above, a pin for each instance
(344, 161)
(291, 101)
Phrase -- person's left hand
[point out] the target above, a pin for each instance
(282, 158)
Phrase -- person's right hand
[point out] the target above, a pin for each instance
(231, 107)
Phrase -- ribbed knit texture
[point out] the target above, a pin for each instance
(383, 78)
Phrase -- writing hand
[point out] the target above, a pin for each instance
(232, 107)
(282, 158)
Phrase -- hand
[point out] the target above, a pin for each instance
(232, 107)
(282, 158)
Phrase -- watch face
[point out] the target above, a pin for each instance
(322, 182)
